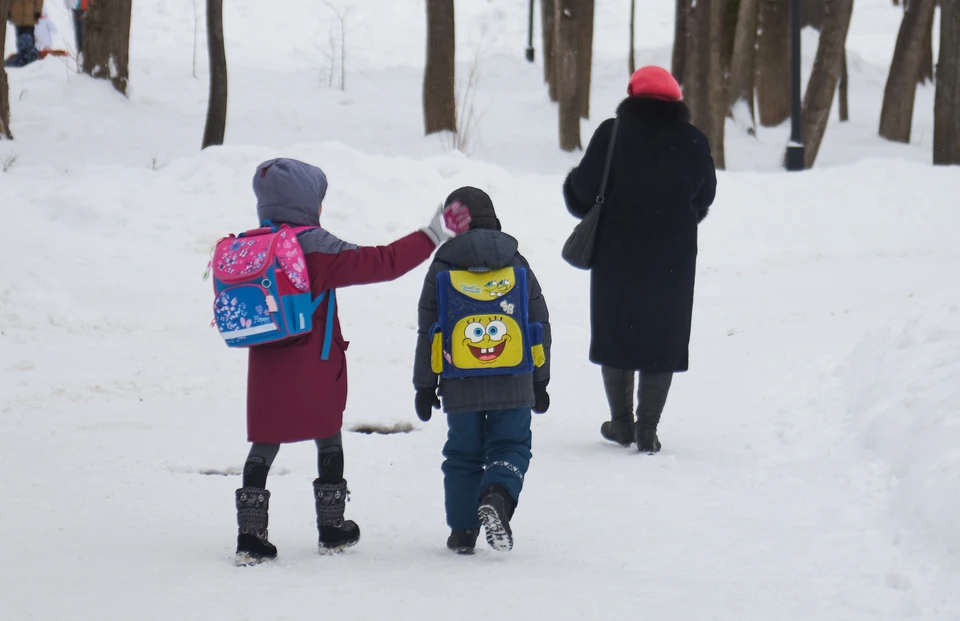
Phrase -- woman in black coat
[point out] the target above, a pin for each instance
(662, 182)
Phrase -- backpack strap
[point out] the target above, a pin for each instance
(328, 328)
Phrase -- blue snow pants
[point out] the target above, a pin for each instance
(483, 449)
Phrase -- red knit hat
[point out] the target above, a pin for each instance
(655, 82)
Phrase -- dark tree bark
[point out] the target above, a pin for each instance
(731, 14)
(216, 126)
(548, 11)
(632, 61)
(106, 42)
(678, 62)
(773, 62)
(844, 90)
(926, 65)
(439, 88)
(567, 40)
(946, 111)
(4, 88)
(825, 77)
(896, 116)
(741, 78)
(585, 20)
(703, 77)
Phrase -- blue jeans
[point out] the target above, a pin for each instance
(483, 449)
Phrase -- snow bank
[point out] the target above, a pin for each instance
(902, 391)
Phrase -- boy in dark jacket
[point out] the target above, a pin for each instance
(487, 452)
(293, 394)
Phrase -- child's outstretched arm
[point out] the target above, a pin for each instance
(333, 263)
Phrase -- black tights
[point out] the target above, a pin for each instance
(329, 461)
(652, 395)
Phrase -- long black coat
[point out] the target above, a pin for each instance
(662, 182)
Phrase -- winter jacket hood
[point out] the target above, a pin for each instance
(479, 248)
(289, 191)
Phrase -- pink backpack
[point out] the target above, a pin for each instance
(262, 289)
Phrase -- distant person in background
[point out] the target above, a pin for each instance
(78, 10)
(25, 14)
(661, 184)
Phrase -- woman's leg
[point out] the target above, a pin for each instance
(618, 384)
(654, 388)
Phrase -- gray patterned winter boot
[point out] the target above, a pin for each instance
(336, 534)
(253, 504)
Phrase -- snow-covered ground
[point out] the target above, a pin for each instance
(811, 466)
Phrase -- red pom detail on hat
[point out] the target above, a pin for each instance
(655, 82)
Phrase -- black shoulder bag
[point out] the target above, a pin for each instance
(579, 249)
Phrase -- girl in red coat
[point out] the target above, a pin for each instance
(292, 394)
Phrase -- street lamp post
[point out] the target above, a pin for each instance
(530, 52)
(795, 151)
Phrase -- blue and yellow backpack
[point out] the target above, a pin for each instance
(483, 325)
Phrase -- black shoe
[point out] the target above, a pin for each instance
(647, 441)
(253, 505)
(496, 507)
(336, 534)
(462, 541)
(334, 539)
(619, 431)
(251, 550)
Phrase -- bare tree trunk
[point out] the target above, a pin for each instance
(632, 62)
(844, 90)
(826, 74)
(548, 9)
(106, 42)
(896, 117)
(567, 40)
(216, 127)
(946, 112)
(439, 91)
(716, 81)
(585, 20)
(926, 65)
(4, 88)
(678, 62)
(773, 62)
(741, 79)
(703, 79)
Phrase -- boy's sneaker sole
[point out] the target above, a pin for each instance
(498, 535)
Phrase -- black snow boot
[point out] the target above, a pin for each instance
(336, 534)
(253, 504)
(619, 430)
(462, 541)
(647, 440)
(496, 510)
(26, 49)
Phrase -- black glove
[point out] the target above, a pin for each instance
(426, 401)
(541, 398)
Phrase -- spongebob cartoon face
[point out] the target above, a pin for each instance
(491, 341)
(497, 288)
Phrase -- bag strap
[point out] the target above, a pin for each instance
(609, 162)
(328, 329)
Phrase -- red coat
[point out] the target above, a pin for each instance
(293, 395)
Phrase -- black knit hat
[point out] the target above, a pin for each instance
(480, 206)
